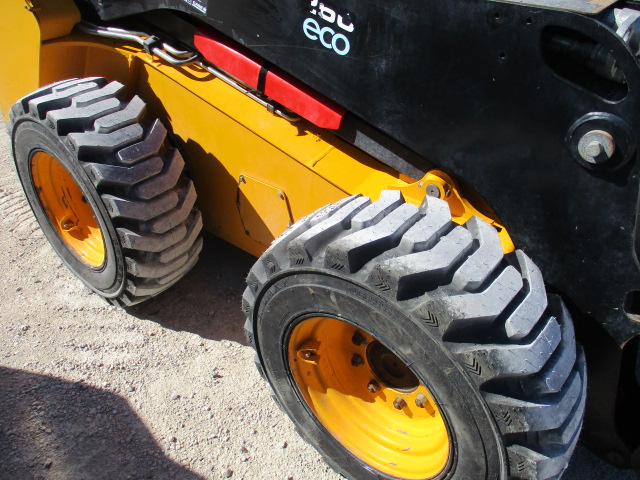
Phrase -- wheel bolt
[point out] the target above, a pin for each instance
(358, 339)
(308, 354)
(421, 400)
(373, 386)
(67, 224)
(357, 360)
(399, 403)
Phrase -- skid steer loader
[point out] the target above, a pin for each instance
(443, 197)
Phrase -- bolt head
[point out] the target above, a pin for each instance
(358, 339)
(373, 386)
(421, 400)
(596, 146)
(433, 190)
(399, 403)
(357, 360)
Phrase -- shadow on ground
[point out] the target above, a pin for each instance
(207, 301)
(54, 429)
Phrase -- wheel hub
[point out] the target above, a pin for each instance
(368, 398)
(68, 210)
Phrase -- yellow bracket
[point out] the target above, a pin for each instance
(438, 184)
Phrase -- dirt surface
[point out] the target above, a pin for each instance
(165, 390)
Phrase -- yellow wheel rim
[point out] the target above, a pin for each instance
(68, 210)
(368, 399)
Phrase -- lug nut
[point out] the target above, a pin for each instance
(399, 403)
(373, 386)
(357, 360)
(358, 338)
(421, 400)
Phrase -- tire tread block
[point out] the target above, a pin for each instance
(484, 306)
(426, 232)
(165, 180)
(103, 174)
(129, 115)
(179, 214)
(546, 414)
(497, 360)
(479, 266)
(152, 242)
(59, 98)
(389, 201)
(75, 119)
(110, 90)
(140, 210)
(193, 228)
(146, 148)
(153, 269)
(88, 144)
(337, 221)
(356, 249)
(557, 370)
(153, 287)
(526, 315)
(412, 275)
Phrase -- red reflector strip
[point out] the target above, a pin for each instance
(217, 51)
(301, 99)
(279, 86)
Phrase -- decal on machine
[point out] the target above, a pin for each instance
(329, 27)
(200, 5)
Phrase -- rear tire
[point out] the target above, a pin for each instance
(475, 327)
(107, 188)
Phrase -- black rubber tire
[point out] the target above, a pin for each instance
(128, 172)
(477, 327)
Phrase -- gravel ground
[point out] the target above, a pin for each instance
(165, 390)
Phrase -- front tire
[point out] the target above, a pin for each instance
(107, 188)
(405, 346)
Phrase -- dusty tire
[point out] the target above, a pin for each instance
(497, 357)
(107, 188)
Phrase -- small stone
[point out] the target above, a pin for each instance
(48, 463)
(285, 445)
(228, 473)
(244, 449)
(173, 439)
(129, 388)
(24, 328)
(175, 397)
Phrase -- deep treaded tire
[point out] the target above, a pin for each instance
(496, 352)
(81, 135)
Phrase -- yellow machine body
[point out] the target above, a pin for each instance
(255, 172)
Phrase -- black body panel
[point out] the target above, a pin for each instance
(470, 86)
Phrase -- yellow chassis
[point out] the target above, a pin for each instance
(255, 173)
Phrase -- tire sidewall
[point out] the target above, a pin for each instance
(29, 137)
(477, 451)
